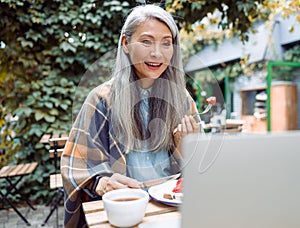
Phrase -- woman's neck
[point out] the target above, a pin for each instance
(145, 83)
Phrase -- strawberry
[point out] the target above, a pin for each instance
(179, 187)
(211, 100)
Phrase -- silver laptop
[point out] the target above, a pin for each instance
(241, 181)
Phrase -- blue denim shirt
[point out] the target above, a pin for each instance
(147, 165)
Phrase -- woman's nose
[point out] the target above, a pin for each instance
(156, 50)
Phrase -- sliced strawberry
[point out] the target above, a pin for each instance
(211, 100)
(179, 187)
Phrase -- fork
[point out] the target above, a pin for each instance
(209, 106)
(210, 101)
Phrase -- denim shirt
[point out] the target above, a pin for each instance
(147, 165)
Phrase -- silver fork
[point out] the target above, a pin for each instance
(209, 106)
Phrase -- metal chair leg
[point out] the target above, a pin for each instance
(13, 187)
(55, 207)
(15, 209)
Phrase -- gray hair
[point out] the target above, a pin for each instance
(169, 88)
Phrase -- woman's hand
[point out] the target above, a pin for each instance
(116, 181)
(187, 126)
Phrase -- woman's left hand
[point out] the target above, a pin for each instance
(187, 126)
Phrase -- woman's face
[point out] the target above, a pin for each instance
(150, 49)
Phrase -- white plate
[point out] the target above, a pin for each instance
(157, 193)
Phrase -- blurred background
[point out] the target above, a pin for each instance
(246, 53)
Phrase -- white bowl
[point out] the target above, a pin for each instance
(125, 207)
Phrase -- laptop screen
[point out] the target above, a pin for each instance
(243, 180)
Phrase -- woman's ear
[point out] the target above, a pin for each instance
(125, 44)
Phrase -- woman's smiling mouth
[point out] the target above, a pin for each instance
(153, 66)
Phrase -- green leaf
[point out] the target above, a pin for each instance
(89, 44)
(49, 118)
(49, 83)
(35, 131)
(65, 46)
(63, 81)
(48, 104)
(37, 94)
(30, 101)
(23, 111)
(38, 115)
(64, 106)
(54, 112)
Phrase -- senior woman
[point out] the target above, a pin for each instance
(129, 129)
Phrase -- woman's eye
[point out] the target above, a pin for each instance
(146, 42)
(167, 44)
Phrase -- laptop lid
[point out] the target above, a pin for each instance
(241, 181)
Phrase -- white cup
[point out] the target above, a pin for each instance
(125, 207)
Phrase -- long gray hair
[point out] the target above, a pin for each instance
(168, 98)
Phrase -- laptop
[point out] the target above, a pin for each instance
(241, 181)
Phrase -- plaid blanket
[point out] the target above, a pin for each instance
(92, 151)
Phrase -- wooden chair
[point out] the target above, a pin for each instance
(57, 144)
(13, 175)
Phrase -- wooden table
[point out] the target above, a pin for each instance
(96, 216)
